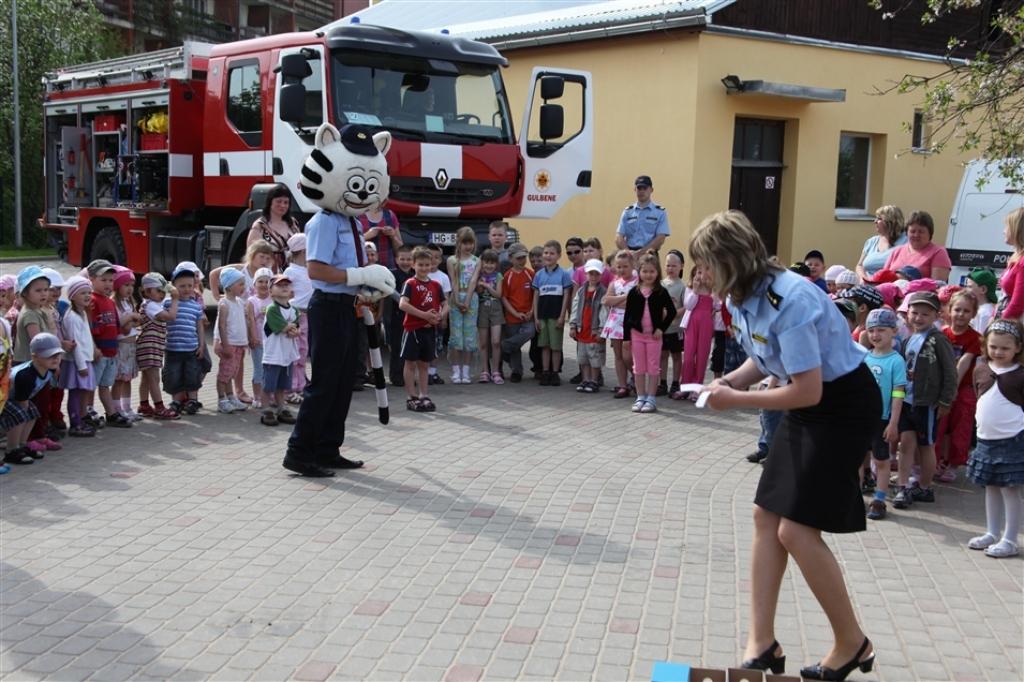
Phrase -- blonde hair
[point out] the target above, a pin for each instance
(1015, 220)
(892, 216)
(731, 248)
(259, 246)
(964, 295)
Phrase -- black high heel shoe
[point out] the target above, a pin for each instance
(767, 661)
(820, 672)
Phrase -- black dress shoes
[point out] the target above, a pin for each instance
(306, 469)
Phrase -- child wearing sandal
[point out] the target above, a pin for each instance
(280, 332)
(152, 343)
(997, 462)
(255, 316)
(490, 317)
(424, 305)
(615, 302)
(76, 372)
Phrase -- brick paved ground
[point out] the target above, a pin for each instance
(519, 532)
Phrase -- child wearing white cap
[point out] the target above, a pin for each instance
(302, 291)
(234, 339)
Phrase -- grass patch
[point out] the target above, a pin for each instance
(27, 252)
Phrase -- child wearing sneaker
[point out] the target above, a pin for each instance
(931, 387)
(255, 316)
(997, 462)
(585, 327)
(890, 371)
(127, 338)
(280, 342)
(76, 372)
(464, 270)
(27, 380)
(106, 326)
(234, 339)
(552, 287)
(672, 339)
(649, 312)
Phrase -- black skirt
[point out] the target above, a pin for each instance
(810, 475)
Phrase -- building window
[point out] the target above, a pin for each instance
(853, 174)
(920, 140)
(244, 108)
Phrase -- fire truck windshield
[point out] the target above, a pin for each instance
(421, 99)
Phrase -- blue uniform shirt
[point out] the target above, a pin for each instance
(642, 224)
(329, 240)
(789, 326)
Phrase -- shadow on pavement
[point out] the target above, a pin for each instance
(72, 635)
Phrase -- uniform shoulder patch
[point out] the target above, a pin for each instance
(773, 297)
(659, 207)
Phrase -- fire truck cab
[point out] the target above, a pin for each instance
(168, 156)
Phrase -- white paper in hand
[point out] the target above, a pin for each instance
(702, 397)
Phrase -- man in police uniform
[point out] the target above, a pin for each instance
(643, 225)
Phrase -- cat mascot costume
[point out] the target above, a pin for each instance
(346, 175)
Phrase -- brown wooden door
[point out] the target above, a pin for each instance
(757, 175)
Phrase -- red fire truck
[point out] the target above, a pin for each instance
(167, 156)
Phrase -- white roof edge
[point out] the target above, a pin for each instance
(817, 42)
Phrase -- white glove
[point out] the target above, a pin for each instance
(373, 276)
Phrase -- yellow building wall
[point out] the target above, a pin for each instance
(807, 214)
(661, 110)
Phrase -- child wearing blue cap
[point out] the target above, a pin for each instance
(34, 319)
(890, 371)
(21, 411)
(182, 371)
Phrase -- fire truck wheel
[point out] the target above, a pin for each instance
(108, 244)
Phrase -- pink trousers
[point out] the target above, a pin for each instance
(699, 333)
(646, 353)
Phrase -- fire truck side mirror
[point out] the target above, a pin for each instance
(552, 121)
(551, 87)
(295, 67)
(293, 103)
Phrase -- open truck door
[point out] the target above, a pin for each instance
(300, 108)
(556, 140)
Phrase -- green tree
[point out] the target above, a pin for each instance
(976, 104)
(51, 34)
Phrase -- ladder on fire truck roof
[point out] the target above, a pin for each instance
(171, 63)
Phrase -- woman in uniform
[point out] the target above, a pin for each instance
(790, 329)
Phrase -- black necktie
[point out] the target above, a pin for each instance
(357, 239)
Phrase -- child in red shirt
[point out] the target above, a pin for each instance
(424, 306)
(953, 435)
(105, 326)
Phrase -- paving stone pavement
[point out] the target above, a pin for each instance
(519, 532)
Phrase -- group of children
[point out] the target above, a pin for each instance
(95, 333)
(948, 367)
(495, 303)
(950, 372)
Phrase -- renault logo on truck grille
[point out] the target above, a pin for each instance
(441, 179)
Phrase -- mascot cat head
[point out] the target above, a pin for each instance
(346, 172)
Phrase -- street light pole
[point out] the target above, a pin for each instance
(17, 128)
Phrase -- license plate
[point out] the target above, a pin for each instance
(443, 238)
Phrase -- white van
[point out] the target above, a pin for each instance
(975, 235)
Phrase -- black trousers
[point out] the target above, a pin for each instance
(320, 425)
